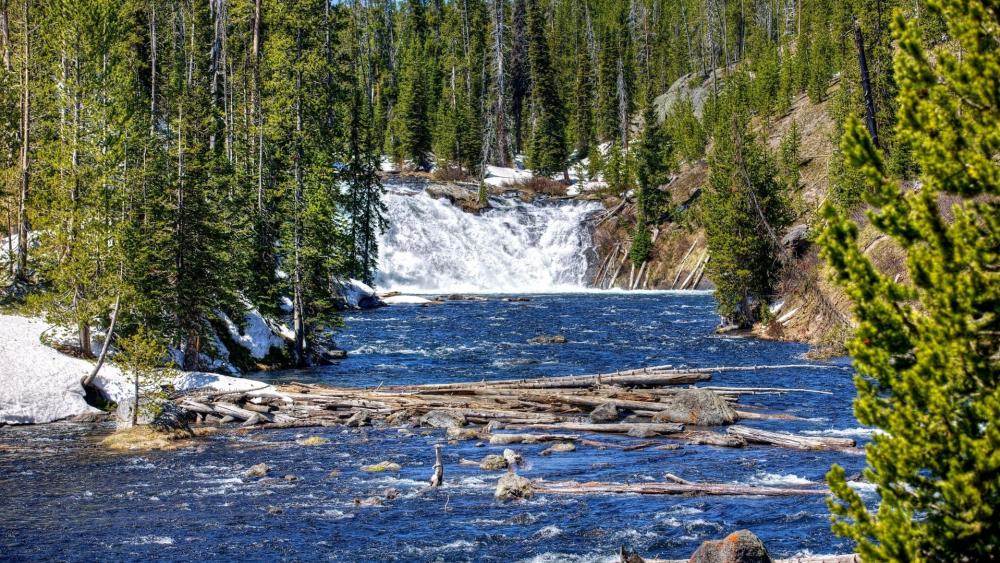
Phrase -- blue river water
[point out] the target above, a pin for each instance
(63, 497)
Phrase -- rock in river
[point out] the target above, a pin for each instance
(442, 419)
(700, 407)
(739, 547)
(259, 470)
(604, 413)
(559, 447)
(493, 462)
(554, 339)
(512, 486)
(381, 466)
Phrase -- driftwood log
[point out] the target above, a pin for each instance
(795, 441)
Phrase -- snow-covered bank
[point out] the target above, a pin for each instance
(38, 384)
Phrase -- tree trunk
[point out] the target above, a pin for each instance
(21, 272)
(85, 349)
(866, 84)
(5, 33)
(298, 307)
(89, 380)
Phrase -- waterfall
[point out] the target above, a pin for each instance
(433, 246)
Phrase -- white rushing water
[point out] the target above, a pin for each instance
(432, 246)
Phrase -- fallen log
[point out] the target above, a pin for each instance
(763, 390)
(686, 488)
(767, 416)
(712, 439)
(506, 439)
(616, 428)
(641, 377)
(795, 441)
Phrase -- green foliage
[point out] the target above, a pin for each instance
(642, 244)
(686, 130)
(653, 165)
(619, 170)
(744, 211)
(140, 357)
(547, 154)
(410, 126)
(789, 157)
(925, 349)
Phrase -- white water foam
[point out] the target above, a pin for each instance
(433, 246)
(775, 480)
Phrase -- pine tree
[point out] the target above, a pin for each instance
(196, 240)
(652, 171)
(548, 153)
(745, 211)
(82, 176)
(365, 209)
(653, 165)
(925, 348)
(583, 114)
(410, 127)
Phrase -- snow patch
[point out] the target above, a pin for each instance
(502, 177)
(258, 335)
(357, 294)
(39, 384)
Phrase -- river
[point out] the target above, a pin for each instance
(65, 498)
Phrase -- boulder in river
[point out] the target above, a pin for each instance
(606, 412)
(493, 462)
(459, 196)
(381, 467)
(314, 441)
(700, 407)
(401, 417)
(259, 470)
(358, 420)
(354, 294)
(559, 447)
(642, 432)
(512, 486)
(739, 547)
(554, 339)
(370, 502)
(513, 458)
(443, 419)
(463, 434)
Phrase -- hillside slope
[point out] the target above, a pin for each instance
(808, 306)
